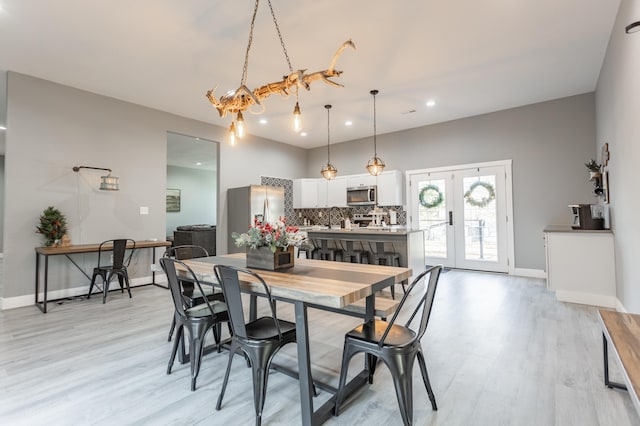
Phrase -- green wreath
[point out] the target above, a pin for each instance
(485, 200)
(430, 196)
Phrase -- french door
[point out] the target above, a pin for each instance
(463, 213)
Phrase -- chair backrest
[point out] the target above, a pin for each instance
(230, 283)
(176, 285)
(119, 249)
(424, 305)
(186, 251)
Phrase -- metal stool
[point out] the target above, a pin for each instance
(388, 258)
(308, 249)
(350, 254)
(328, 253)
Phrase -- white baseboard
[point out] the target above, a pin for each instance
(530, 273)
(620, 307)
(588, 299)
(29, 299)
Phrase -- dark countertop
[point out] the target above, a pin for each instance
(568, 229)
(362, 231)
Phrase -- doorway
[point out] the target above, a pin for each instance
(464, 212)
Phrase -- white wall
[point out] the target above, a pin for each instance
(198, 197)
(548, 142)
(618, 124)
(54, 127)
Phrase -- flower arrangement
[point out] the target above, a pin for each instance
(274, 236)
(53, 225)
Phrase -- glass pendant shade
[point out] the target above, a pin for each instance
(328, 170)
(109, 183)
(297, 119)
(232, 134)
(240, 126)
(375, 166)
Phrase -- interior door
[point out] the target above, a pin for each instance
(463, 215)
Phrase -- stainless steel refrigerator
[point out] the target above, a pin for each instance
(247, 203)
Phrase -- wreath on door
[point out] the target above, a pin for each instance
(480, 194)
(430, 196)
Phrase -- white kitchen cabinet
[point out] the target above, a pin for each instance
(581, 266)
(305, 193)
(337, 192)
(360, 180)
(391, 188)
(323, 192)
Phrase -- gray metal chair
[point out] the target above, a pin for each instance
(192, 295)
(107, 268)
(198, 319)
(258, 339)
(396, 345)
(380, 256)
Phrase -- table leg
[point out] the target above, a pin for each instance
(607, 382)
(304, 364)
(38, 283)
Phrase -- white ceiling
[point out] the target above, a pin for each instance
(471, 57)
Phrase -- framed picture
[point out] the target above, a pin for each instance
(173, 200)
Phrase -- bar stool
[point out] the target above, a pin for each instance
(308, 248)
(328, 253)
(350, 254)
(388, 258)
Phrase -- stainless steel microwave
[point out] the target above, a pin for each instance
(362, 195)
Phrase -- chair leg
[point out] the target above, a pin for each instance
(425, 378)
(93, 282)
(232, 352)
(174, 349)
(347, 353)
(105, 287)
(260, 373)
(173, 327)
(401, 367)
(372, 361)
(126, 280)
(196, 348)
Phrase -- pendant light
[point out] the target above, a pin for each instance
(328, 170)
(375, 166)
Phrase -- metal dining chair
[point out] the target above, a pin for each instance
(192, 295)
(259, 339)
(197, 319)
(108, 268)
(397, 346)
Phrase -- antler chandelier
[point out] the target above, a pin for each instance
(240, 100)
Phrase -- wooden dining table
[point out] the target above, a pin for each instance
(313, 284)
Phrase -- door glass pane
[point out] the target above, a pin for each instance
(432, 216)
(480, 215)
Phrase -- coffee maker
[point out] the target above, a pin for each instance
(587, 216)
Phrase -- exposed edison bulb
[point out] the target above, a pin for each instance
(232, 134)
(297, 119)
(240, 126)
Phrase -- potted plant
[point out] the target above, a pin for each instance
(594, 169)
(53, 225)
(270, 246)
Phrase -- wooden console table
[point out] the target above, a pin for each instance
(622, 332)
(76, 249)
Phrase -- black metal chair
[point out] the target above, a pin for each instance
(198, 319)
(258, 339)
(117, 266)
(192, 295)
(396, 345)
(352, 254)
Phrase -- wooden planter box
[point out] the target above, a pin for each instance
(263, 258)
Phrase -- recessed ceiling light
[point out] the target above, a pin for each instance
(348, 123)
(263, 121)
(197, 139)
(431, 103)
(303, 134)
(198, 164)
(3, 128)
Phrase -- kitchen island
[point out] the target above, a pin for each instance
(407, 243)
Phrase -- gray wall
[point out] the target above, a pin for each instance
(198, 193)
(52, 128)
(548, 142)
(618, 124)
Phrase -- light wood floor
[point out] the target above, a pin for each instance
(500, 351)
